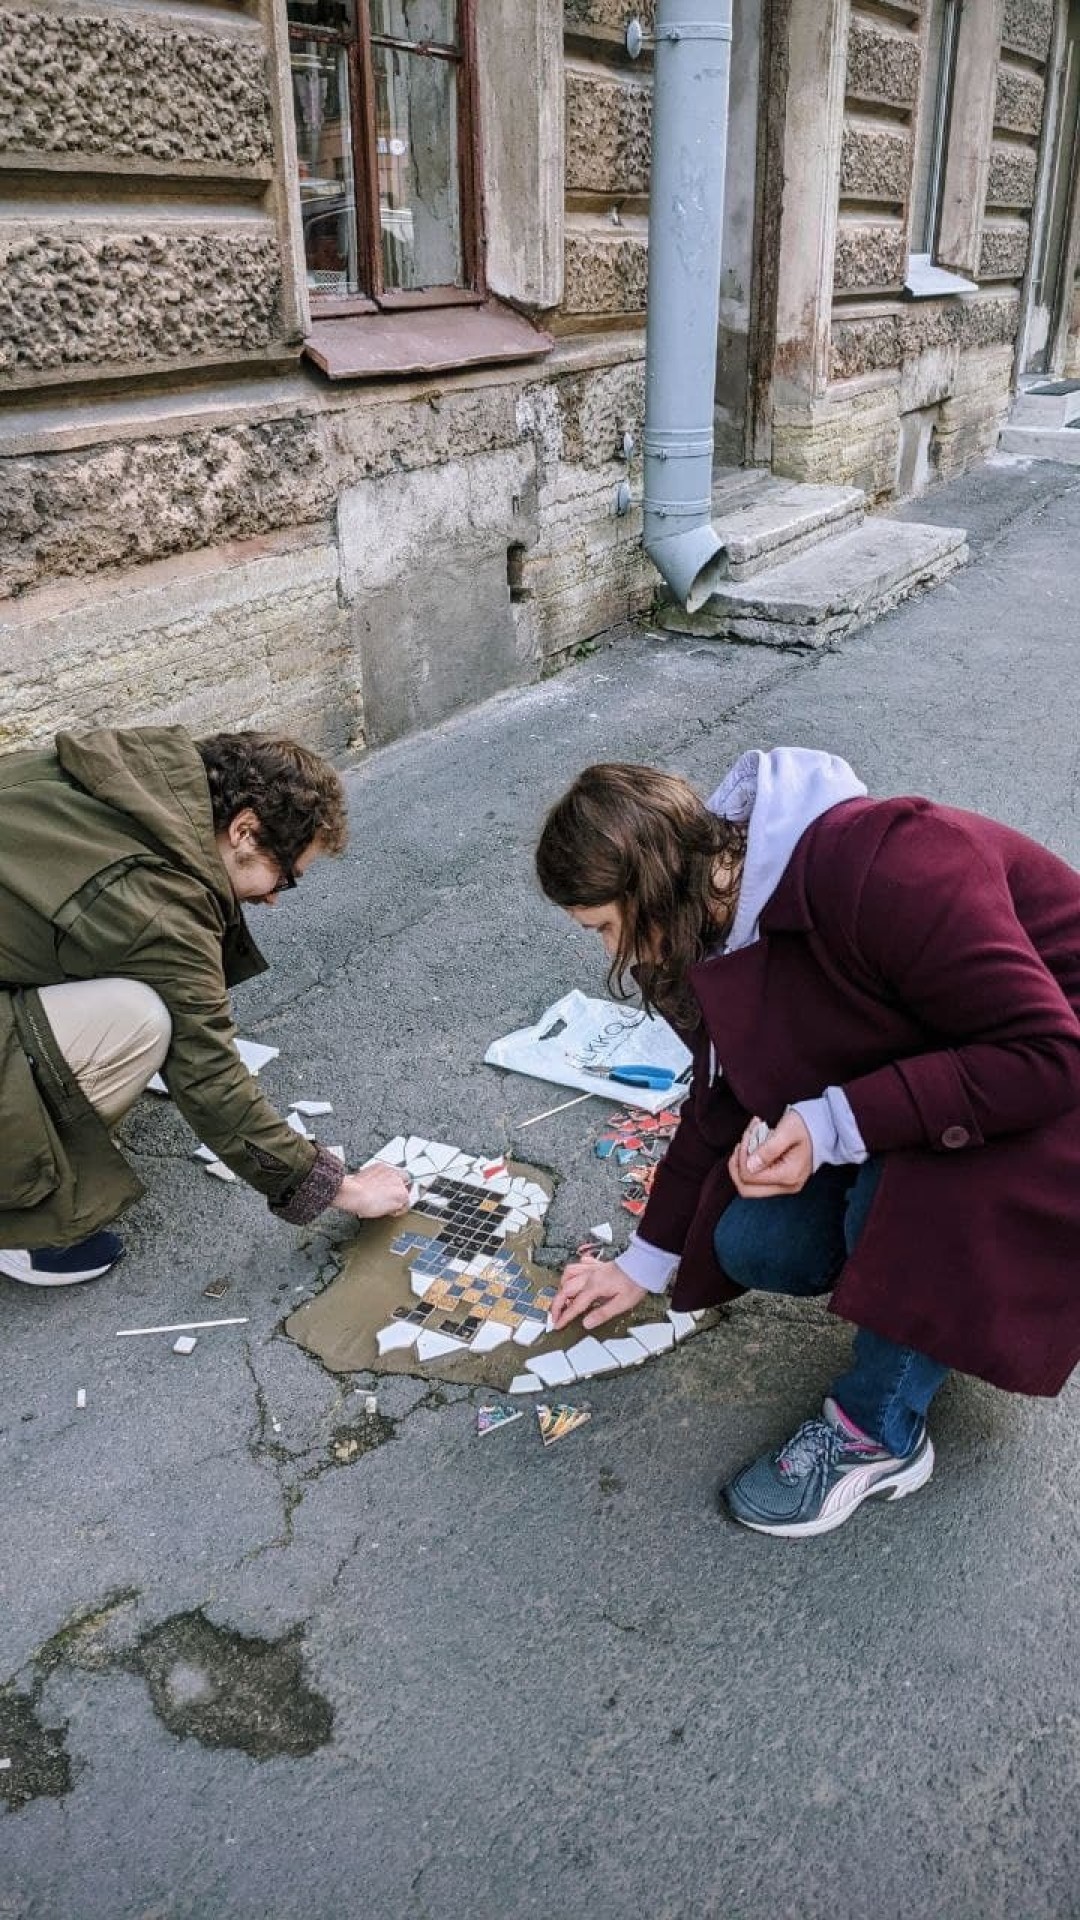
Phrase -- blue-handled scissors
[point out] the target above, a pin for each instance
(657, 1078)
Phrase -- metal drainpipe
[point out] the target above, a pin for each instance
(686, 217)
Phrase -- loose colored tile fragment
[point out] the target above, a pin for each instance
(558, 1420)
(491, 1419)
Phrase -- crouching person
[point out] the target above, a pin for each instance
(126, 860)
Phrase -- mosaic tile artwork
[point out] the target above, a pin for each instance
(466, 1276)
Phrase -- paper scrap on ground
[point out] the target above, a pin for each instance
(490, 1419)
(557, 1421)
(577, 1041)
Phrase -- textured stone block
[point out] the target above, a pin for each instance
(133, 89)
(882, 64)
(864, 346)
(596, 409)
(868, 255)
(877, 341)
(1028, 27)
(1018, 102)
(875, 165)
(608, 134)
(854, 442)
(605, 276)
(80, 298)
(1003, 253)
(1011, 181)
(610, 16)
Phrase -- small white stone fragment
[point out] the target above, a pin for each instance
(526, 1383)
(220, 1171)
(436, 1346)
(276, 1424)
(396, 1337)
(371, 1403)
(187, 1343)
(5, 1765)
(683, 1323)
(80, 1397)
(490, 1335)
(528, 1331)
(311, 1108)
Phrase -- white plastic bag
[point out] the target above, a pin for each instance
(578, 1040)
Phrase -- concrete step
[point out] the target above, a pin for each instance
(763, 520)
(817, 598)
(1042, 443)
(1049, 404)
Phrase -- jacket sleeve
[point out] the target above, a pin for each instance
(692, 1160)
(936, 922)
(168, 935)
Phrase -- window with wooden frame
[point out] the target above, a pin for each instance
(384, 94)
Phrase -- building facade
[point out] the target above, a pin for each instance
(322, 324)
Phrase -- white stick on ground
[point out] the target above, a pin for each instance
(547, 1116)
(182, 1326)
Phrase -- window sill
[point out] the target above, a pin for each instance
(381, 346)
(924, 281)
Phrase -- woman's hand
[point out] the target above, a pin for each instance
(597, 1288)
(373, 1192)
(781, 1163)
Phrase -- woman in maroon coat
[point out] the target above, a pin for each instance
(882, 1000)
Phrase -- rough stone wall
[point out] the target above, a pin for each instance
(892, 358)
(82, 298)
(110, 109)
(124, 87)
(608, 135)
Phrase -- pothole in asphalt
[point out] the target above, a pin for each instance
(214, 1685)
(38, 1762)
(362, 1436)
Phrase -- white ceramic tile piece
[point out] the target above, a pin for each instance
(526, 1383)
(435, 1346)
(187, 1343)
(528, 1331)
(295, 1122)
(458, 1266)
(515, 1220)
(459, 1166)
(255, 1055)
(657, 1335)
(535, 1193)
(311, 1108)
(414, 1145)
(440, 1155)
(698, 1315)
(205, 1153)
(532, 1209)
(219, 1170)
(683, 1323)
(157, 1085)
(397, 1336)
(80, 1398)
(394, 1151)
(420, 1282)
(491, 1334)
(602, 1233)
(553, 1369)
(590, 1356)
(628, 1352)
(549, 1324)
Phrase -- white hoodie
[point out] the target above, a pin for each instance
(779, 794)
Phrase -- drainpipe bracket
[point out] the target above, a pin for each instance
(637, 39)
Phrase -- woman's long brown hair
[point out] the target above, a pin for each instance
(645, 841)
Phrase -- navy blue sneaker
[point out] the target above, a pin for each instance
(63, 1266)
(815, 1482)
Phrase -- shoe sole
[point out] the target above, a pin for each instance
(32, 1279)
(893, 1486)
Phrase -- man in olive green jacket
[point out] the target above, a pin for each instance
(125, 860)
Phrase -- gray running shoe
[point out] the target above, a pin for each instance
(815, 1482)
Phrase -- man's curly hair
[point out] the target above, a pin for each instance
(296, 794)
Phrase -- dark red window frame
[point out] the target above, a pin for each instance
(375, 296)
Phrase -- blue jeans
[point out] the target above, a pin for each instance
(797, 1243)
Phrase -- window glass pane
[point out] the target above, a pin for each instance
(421, 20)
(336, 16)
(937, 85)
(320, 80)
(419, 202)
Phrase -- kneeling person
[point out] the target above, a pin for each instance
(126, 859)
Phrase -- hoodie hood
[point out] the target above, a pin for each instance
(779, 795)
(155, 776)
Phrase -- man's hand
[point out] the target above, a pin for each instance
(781, 1163)
(373, 1192)
(599, 1285)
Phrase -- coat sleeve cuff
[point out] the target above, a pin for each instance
(648, 1266)
(315, 1193)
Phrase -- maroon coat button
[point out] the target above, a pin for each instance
(955, 1137)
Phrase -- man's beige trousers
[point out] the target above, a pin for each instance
(114, 1035)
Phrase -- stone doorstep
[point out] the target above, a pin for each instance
(826, 593)
(1049, 406)
(1042, 443)
(763, 520)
